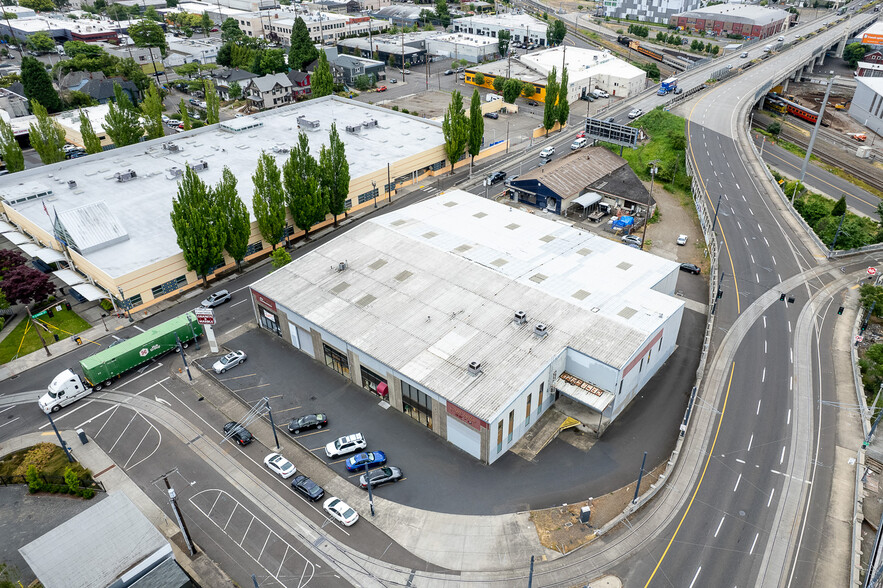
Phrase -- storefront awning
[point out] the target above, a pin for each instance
(49, 255)
(584, 392)
(588, 199)
(90, 292)
(16, 238)
(5, 227)
(30, 248)
(69, 277)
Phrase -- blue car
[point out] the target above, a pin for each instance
(370, 459)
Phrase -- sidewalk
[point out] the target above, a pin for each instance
(200, 567)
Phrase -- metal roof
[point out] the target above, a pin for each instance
(432, 287)
(92, 227)
(568, 176)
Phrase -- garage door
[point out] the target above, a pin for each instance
(464, 437)
(306, 342)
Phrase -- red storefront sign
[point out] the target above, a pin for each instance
(263, 300)
(468, 418)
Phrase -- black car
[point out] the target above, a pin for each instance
(238, 433)
(449, 72)
(533, 103)
(381, 476)
(308, 488)
(492, 115)
(308, 421)
(691, 268)
(496, 177)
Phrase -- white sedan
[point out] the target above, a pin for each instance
(341, 511)
(230, 360)
(682, 239)
(635, 113)
(280, 465)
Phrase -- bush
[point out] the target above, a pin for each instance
(35, 482)
(71, 479)
(774, 129)
(106, 304)
(51, 298)
(280, 257)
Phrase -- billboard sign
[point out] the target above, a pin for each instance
(612, 132)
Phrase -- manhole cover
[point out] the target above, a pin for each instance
(741, 513)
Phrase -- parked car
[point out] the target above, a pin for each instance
(231, 360)
(610, 119)
(461, 76)
(449, 72)
(496, 177)
(280, 465)
(346, 445)
(341, 511)
(631, 240)
(216, 299)
(635, 113)
(238, 433)
(678, 90)
(492, 115)
(461, 69)
(533, 103)
(393, 81)
(682, 239)
(308, 488)
(361, 460)
(547, 152)
(194, 101)
(308, 421)
(381, 476)
(690, 268)
(381, 89)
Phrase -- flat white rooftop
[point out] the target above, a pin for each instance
(70, 119)
(434, 286)
(874, 83)
(506, 21)
(757, 14)
(43, 23)
(142, 205)
(581, 63)
(467, 40)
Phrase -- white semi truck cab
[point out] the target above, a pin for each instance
(66, 387)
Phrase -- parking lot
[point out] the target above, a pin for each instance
(437, 474)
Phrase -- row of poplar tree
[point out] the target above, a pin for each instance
(464, 133)
(209, 220)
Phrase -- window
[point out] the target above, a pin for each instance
(370, 380)
(254, 248)
(527, 410)
(169, 286)
(511, 425)
(130, 302)
(363, 198)
(417, 405)
(641, 367)
(347, 204)
(540, 399)
(500, 436)
(336, 360)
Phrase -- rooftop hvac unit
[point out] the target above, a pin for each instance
(171, 147)
(540, 330)
(203, 164)
(354, 129)
(175, 172)
(71, 184)
(371, 122)
(474, 368)
(520, 317)
(126, 176)
(305, 123)
(280, 149)
(340, 266)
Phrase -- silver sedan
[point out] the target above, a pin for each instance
(230, 360)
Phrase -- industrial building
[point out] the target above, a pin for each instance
(646, 10)
(404, 49)
(873, 35)
(749, 20)
(867, 103)
(61, 29)
(523, 28)
(587, 70)
(112, 208)
(472, 48)
(473, 317)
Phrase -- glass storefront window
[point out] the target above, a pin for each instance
(416, 405)
(336, 360)
(370, 380)
(270, 322)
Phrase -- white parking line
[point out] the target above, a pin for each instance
(134, 414)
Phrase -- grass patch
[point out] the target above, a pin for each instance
(47, 457)
(854, 180)
(23, 339)
(787, 145)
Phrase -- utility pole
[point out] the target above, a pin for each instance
(812, 138)
(272, 424)
(653, 170)
(403, 53)
(36, 328)
(181, 351)
(60, 440)
(716, 208)
(174, 503)
(640, 476)
(368, 485)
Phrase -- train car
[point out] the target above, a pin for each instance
(794, 109)
(776, 105)
(648, 52)
(623, 40)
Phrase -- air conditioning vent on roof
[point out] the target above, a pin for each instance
(71, 184)
(474, 368)
(354, 129)
(305, 123)
(202, 165)
(540, 330)
(171, 147)
(520, 317)
(280, 149)
(175, 172)
(369, 123)
(126, 176)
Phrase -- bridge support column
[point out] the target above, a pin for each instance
(821, 60)
(785, 85)
(840, 47)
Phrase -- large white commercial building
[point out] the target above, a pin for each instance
(867, 103)
(112, 209)
(473, 48)
(523, 28)
(647, 10)
(473, 317)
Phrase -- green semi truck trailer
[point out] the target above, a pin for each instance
(104, 367)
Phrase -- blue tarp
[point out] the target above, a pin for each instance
(624, 221)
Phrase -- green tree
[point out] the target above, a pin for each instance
(233, 216)
(38, 5)
(442, 13)
(35, 481)
(46, 136)
(550, 110)
(71, 479)
(300, 176)
(132, 72)
(147, 33)
(563, 110)
(122, 123)
(391, 62)
(77, 99)
(195, 220)
(839, 208)
(479, 79)
(774, 129)
(303, 52)
(212, 104)
(870, 294)
(152, 108)
(40, 42)
(38, 85)
(152, 14)
(279, 258)
(235, 90)
(230, 31)
(188, 69)
(498, 84)
(185, 115)
(529, 90)
(268, 200)
(322, 82)
(91, 142)
(512, 90)
(503, 38)
(476, 127)
(10, 150)
(455, 128)
(853, 53)
(207, 24)
(273, 61)
(334, 174)
(556, 32)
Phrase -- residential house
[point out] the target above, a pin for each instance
(225, 79)
(353, 67)
(300, 81)
(269, 91)
(102, 90)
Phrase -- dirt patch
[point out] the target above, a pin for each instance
(811, 95)
(431, 104)
(559, 528)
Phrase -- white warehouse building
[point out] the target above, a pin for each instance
(473, 317)
(588, 69)
(524, 28)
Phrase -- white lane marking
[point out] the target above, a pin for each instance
(774, 259)
(719, 525)
(740, 460)
(9, 422)
(739, 479)
(762, 378)
(139, 328)
(752, 258)
(113, 408)
(791, 355)
(743, 198)
(750, 441)
(240, 302)
(791, 383)
(149, 455)
(758, 403)
(789, 417)
(782, 459)
(779, 276)
(764, 321)
(751, 212)
(764, 346)
(8, 408)
(770, 501)
(696, 576)
(789, 326)
(738, 224)
(753, 543)
(756, 277)
(738, 188)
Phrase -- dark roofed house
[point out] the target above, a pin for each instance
(224, 79)
(300, 81)
(578, 182)
(75, 80)
(102, 90)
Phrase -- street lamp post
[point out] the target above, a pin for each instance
(123, 299)
(653, 170)
(368, 484)
(374, 190)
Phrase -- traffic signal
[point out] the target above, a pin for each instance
(781, 298)
(840, 310)
(720, 293)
